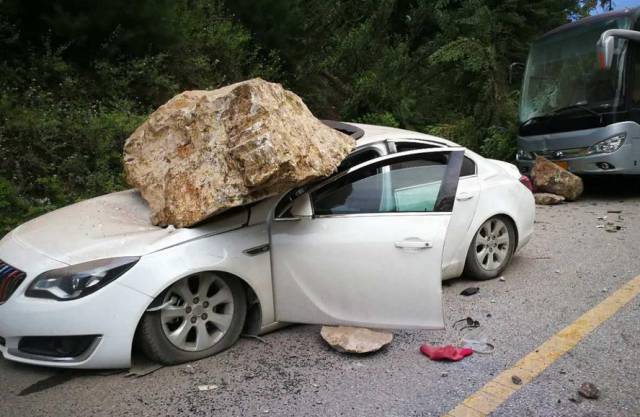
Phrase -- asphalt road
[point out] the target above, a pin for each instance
(568, 268)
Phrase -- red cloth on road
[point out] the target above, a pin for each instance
(445, 353)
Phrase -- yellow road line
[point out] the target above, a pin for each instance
(495, 392)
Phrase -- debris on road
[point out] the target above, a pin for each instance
(476, 340)
(207, 387)
(445, 353)
(189, 370)
(254, 337)
(588, 390)
(548, 199)
(466, 323)
(516, 379)
(548, 177)
(612, 228)
(206, 151)
(355, 339)
(142, 366)
(469, 291)
(501, 279)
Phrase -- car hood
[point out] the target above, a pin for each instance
(112, 225)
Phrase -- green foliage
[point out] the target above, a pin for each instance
(76, 78)
(382, 119)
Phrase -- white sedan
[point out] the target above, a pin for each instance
(367, 246)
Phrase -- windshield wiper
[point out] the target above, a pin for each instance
(577, 106)
(551, 114)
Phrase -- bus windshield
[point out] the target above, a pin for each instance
(562, 73)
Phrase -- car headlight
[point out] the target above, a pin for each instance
(76, 281)
(608, 145)
(523, 155)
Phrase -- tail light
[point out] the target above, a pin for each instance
(526, 182)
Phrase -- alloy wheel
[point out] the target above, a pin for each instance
(492, 244)
(198, 312)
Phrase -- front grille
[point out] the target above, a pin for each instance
(564, 153)
(10, 279)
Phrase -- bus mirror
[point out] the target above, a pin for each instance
(604, 51)
(515, 69)
(606, 45)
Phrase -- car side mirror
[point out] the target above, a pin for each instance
(301, 207)
(605, 47)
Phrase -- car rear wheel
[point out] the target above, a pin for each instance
(491, 249)
(197, 317)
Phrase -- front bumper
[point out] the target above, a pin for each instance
(621, 161)
(110, 314)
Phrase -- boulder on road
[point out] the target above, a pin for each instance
(548, 199)
(548, 177)
(206, 151)
(355, 339)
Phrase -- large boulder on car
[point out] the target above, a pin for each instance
(207, 151)
(550, 178)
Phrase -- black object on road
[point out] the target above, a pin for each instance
(469, 291)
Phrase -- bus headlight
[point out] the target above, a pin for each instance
(608, 145)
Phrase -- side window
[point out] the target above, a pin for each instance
(350, 161)
(635, 75)
(357, 158)
(411, 184)
(412, 146)
(468, 166)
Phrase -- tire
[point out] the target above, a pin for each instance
(487, 259)
(204, 314)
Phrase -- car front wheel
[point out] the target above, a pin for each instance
(199, 316)
(491, 249)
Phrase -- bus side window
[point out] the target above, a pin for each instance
(635, 76)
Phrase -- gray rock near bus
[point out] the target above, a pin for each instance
(548, 177)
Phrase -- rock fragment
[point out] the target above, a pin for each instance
(589, 390)
(355, 339)
(548, 199)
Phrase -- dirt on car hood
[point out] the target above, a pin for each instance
(112, 225)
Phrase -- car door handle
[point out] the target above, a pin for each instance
(413, 244)
(464, 196)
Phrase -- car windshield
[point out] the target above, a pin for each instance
(563, 73)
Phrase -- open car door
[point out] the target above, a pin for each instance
(364, 248)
